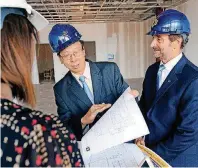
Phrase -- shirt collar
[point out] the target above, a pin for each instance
(169, 65)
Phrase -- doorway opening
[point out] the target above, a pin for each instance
(45, 63)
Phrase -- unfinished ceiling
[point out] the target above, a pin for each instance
(86, 11)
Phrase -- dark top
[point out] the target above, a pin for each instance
(30, 138)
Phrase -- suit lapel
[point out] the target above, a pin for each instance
(96, 78)
(78, 91)
(152, 82)
(171, 79)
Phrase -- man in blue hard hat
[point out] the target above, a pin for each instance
(169, 100)
(89, 88)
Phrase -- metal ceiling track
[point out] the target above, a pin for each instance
(100, 11)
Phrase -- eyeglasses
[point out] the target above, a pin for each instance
(76, 54)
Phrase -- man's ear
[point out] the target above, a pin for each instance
(61, 59)
(180, 40)
(84, 52)
(176, 43)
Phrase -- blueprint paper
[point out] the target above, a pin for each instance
(121, 123)
(124, 155)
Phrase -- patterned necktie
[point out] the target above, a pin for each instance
(86, 88)
(159, 76)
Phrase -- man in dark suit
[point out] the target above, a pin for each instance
(169, 100)
(89, 88)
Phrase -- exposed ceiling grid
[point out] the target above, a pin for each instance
(91, 11)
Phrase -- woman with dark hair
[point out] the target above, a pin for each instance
(28, 137)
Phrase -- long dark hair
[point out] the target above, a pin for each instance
(17, 37)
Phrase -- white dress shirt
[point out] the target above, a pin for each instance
(168, 67)
(88, 80)
(87, 75)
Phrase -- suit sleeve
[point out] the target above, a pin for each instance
(186, 133)
(142, 100)
(62, 109)
(120, 84)
(66, 116)
(141, 103)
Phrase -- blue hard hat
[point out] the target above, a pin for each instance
(63, 35)
(171, 22)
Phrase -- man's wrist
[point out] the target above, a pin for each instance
(82, 123)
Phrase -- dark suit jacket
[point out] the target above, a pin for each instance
(172, 113)
(72, 101)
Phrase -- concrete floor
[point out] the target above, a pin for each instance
(45, 98)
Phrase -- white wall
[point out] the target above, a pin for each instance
(35, 75)
(191, 10)
(132, 52)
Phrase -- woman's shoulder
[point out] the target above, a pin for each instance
(26, 118)
(41, 133)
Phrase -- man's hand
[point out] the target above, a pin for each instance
(140, 141)
(135, 93)
(92, 113)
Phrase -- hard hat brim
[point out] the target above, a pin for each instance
(37, 20)
(149, 33)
